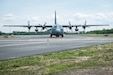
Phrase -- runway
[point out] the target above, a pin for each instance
(26, 45)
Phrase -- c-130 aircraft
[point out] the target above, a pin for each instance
(56, 29)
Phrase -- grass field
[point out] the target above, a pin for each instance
(94, 60)
(7, 36)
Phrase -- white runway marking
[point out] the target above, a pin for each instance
(37, 41)
(30, 40)
(21, 44)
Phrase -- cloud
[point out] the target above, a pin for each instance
(77, 18)
(35, 18)
(10, 17)
(81, 15)
(94, 18)
(101, 16)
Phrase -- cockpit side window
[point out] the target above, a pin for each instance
(57, 26)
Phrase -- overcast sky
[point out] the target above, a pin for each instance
(40, 11)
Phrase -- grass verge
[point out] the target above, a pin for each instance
(57, 62)
(6, 36)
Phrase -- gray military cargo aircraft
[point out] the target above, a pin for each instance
(56, 29)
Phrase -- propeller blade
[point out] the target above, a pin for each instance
(85, 22)
(70, 27)
(43, 27)
(44, 23)
(29, 27)
(28, 23)
(69, 23)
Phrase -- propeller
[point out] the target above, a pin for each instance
(76, 29)
(29, 27)
(39, 25)
(84, 26)
(44, 26)
(70, 26)
(36, 29)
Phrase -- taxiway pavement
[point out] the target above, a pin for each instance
(26, 45)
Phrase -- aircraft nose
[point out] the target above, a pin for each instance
(57, 30)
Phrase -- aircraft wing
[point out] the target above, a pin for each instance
(49, 26)
(94, 25)
(43, 26)
(71, 25)
(27, 25)
(17, 26)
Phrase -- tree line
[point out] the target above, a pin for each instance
(104, 31)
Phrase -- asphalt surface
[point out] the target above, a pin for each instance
(20, 46)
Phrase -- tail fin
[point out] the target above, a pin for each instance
(55, 18)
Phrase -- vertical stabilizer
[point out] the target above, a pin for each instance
(55, 18)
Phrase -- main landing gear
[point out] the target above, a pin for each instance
(57, 35)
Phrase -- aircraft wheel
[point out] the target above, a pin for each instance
(57, 35)
(62, 35)
(51, 35)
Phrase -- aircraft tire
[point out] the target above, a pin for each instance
(62, 35)
(57, 35)
(51, 35)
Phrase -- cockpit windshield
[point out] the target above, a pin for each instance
(57, 26)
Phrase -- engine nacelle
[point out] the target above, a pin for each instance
(36, 30)
(76, 29)
(43, 27)
(70, 27)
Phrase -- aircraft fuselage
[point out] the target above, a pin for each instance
(57, 30)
